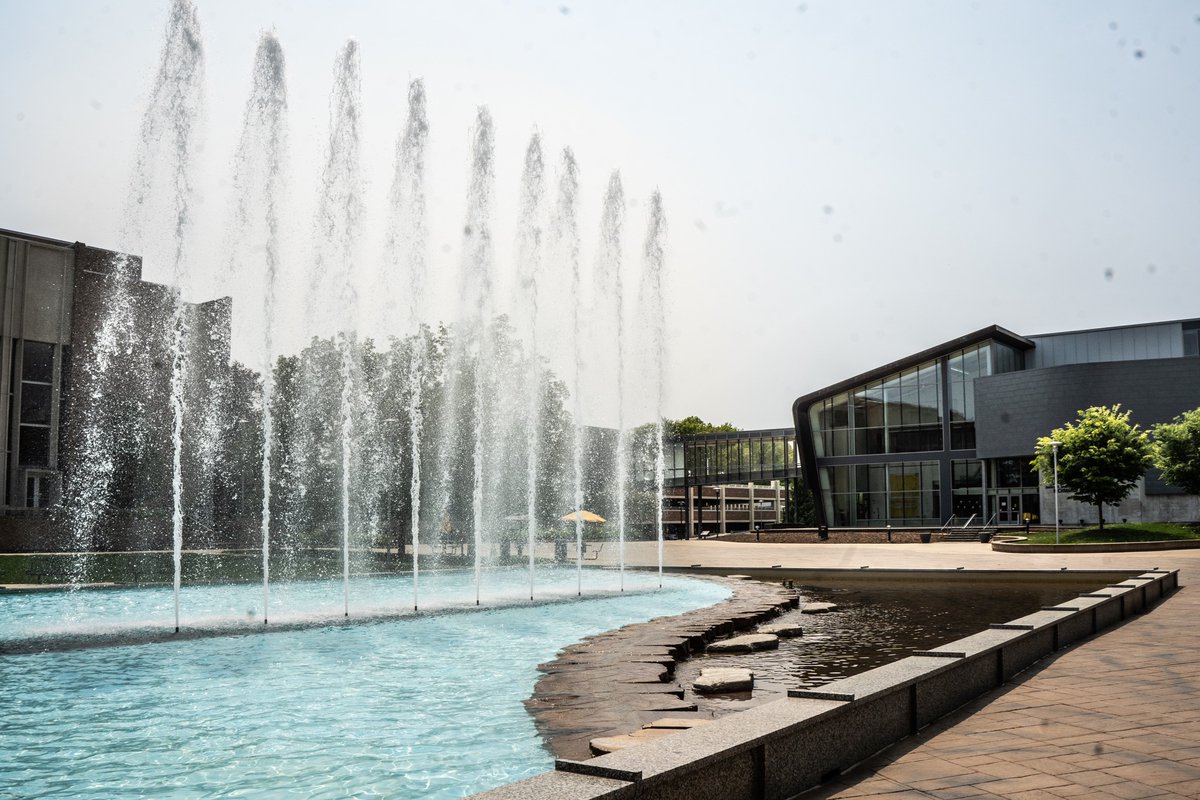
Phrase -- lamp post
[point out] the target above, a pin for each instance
(1054, 450)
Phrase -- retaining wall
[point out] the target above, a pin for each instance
(779, 749)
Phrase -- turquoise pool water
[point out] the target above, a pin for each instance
(416, 706)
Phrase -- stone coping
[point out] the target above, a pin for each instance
(779, 749)
(903, 575)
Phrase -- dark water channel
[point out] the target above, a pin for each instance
(878, 622)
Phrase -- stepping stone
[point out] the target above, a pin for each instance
(676, 723)
(745, 644)
(611, 744)
(817, 608)
(783, 630)
(723, 679)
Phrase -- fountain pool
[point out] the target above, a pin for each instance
(422, 705)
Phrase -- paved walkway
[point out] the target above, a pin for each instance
(1117, 716)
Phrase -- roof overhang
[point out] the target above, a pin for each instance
(990, 333)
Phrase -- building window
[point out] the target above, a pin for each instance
(1013, 473)
(37, 375)
(964, 367)
(967, 474)
(901, 413)
(874, 495)
(1191, 339)
(1005, 358)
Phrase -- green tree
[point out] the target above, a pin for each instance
(1100, 456)
(689, 426)
(1177, 451)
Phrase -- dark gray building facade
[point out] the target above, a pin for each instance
(54, 300)
(946, 435)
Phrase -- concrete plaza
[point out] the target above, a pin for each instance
(1116, 716)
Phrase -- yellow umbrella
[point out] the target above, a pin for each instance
(586, 516)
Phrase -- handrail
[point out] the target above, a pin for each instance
(972, 519)
(949, 522)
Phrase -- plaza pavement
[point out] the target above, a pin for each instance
(1115, 716)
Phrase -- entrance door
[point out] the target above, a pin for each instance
(1008, 509)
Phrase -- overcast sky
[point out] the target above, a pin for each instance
(845, 182)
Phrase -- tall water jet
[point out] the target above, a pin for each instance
(529, 265)
(467, 372)
(609, 298)
(167, 144)
(258, 183)
(478, 252)
(406, 243)
(104, 429)
(653, 310)
(339, 218)
(566, 231)
(488, 382)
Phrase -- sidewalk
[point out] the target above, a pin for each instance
(1117, 716)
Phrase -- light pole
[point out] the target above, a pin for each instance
(1054, 448)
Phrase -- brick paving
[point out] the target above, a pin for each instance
(1116, 717)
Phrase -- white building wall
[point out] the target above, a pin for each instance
(1137, 507)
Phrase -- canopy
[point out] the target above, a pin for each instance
(586, 516)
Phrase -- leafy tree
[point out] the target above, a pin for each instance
(1100, 457)
(803, 510)
(689, 426)
(1177, 451)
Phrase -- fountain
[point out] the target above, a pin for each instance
(391, 455)
(482, 421)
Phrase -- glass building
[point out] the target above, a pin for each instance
(947, 434)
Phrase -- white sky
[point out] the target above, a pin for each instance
(845, 182)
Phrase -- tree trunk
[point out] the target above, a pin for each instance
(1100, 514)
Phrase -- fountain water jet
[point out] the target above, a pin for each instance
(652, 311)
(567, 245)
(168, 134)
(258, 179)
(406, 253)
(529, 262)
(338, 221)
(609, 297)
(502, 416)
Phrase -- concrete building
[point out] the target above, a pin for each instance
(947, 434)
(54, 299)
(724, 508)
(730, 481)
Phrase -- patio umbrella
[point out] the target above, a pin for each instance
(586, 516)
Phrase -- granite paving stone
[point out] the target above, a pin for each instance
(601, 687)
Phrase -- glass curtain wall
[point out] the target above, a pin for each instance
(901, 413)
(738, 457)
(909, 412)
(873, 495)
(964, 367)
(967, 486)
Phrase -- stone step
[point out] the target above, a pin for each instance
(783, 630)
(716, 680)
(817, 608)
(745, 644)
